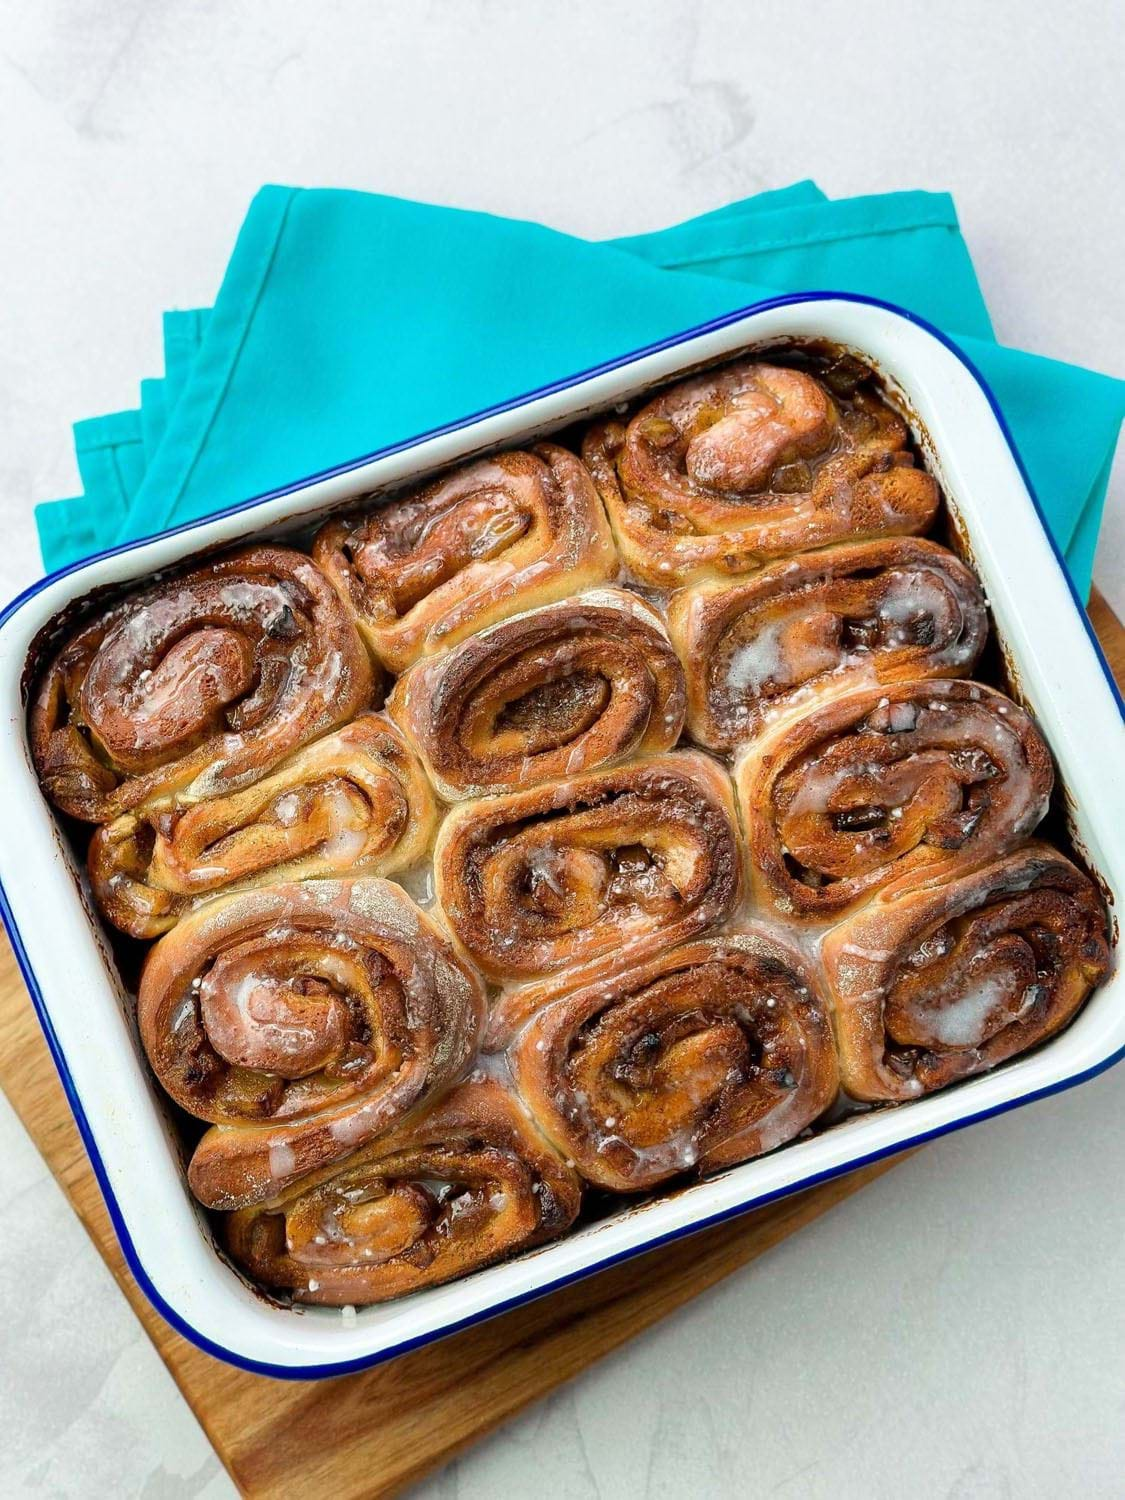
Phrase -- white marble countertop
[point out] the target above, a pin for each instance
(957, 1329)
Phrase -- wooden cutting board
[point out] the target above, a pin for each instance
(373, 1434)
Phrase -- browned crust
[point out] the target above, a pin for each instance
(1031, 911)
(278, 644)
(702, 1057)
(510, 1191)
(974, 720)
(673, 527)
(806, 604)
(551, 693)
(622, 861)
(355, 802)
(401, 1012)
(486, 541)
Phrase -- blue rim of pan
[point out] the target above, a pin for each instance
(362, 1362)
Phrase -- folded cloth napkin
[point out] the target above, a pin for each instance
(348, 321)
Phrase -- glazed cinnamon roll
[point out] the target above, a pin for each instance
(197, 687)
(708, 1055)
(617, 861)
(468, 1183)
(834, 619)
(750, 462)
(484, 542)
(354, 802)
(302, 1021)
(884, 781)
(546, 694)
(935, 980)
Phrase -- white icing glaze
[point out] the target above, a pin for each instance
(962, 1021)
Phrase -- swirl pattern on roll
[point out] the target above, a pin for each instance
(544, 880)
(551, 693)
(883, 781)
(825, 621)
(720, 842)
(302, 1021)
(468, 1183)
(198, 686)
(753, 461)
(707, 1055)
(936, 980)
(356, 801)
(421, 572)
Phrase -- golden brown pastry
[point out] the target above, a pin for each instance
(883, 781)
(617, 861)
(840, 618)
(702, 1057)
(467, 1183)
(934, 980)
(547, 694)
(752, 461)
(355, 802)
(393, 1098)
(198, 686)
(302, 1021)
(501, 535)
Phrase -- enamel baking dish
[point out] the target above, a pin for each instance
(85, 1011)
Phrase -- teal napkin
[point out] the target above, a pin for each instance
(349, 321)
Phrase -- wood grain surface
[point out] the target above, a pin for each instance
(324, 1438)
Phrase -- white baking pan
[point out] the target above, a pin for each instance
(86, 1015)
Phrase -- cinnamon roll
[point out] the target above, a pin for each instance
(467, 1183)
(750, 462)
(705, 1056)
(355, 802)
(198, 686)
(883, 781)
(935, 980)
(866, 613)
(495, 537)
(616, 861)
(302, 1021)
(550, 693)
